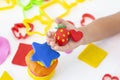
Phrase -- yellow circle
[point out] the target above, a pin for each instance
(61, 30)
(58, 38)
(63, 40)
(63, 35)
(68, 33)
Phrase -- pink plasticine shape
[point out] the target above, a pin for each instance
(4, 49)
(68, 51)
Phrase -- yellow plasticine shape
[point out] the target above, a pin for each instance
(6, 76)
(43, 20)
(92, 55)
(48, 77)
(52, 2)
(13, 3)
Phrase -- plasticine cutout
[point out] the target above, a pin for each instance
(13, 3)
(109, 77)
(44, 54)
(6, 76)
(4, 49)
(75, 35)
(19, 58)
(92, 55)
(43, 20)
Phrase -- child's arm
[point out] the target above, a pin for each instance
(97, 30)
(102, 28)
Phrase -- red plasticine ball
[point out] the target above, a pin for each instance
(62, 35)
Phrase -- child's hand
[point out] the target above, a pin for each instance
(70, 45)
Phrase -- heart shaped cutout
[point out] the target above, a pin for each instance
(109, 77)
(84, 16)
(75, 35)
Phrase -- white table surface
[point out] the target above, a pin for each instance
(69, 67)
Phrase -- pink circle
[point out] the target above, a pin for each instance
(4, 49)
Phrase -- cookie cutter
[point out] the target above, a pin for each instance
(13, 3)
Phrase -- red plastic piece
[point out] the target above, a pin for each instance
(19, 58)
(16, 31)
(75, 35)
(71, 22)
(109, 77)
(86, 15)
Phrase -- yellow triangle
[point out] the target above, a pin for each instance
(6, 76)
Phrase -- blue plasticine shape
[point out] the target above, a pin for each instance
(44, 53)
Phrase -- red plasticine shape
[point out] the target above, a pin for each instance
(19, 58)
(16, 31)
(75, 35)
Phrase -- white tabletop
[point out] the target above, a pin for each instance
(69, 67)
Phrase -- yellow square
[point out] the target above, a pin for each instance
(6, 76)
(92, 55)
(61, 3)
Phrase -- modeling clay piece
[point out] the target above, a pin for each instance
(4, 49)
(92, 55)
(37, 68)
(16, 31)
(44, 54)
(19, 58)
(109, 77)
(75, 35)
(84, 16)
(62, 35)
(11, 4)
(48, 77)
(6, 76)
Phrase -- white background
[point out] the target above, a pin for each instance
(69, 67)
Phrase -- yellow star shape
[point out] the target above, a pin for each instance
(43, 20)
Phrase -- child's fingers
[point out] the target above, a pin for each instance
(61, 21)
(50, 34)
(50, 37)
(64, 22)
